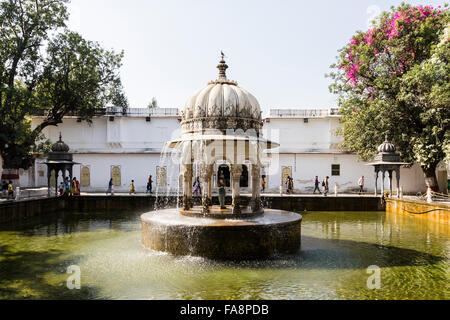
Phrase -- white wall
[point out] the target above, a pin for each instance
(129, 142)
(135, 145)
(317, 135)
(306, 166)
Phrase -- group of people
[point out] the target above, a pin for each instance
(289, 185)
(149, 190)
(198, 189)
(7, 189)
(69, 188)
(325, 185)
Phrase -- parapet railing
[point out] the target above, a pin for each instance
(119, 111)
(297, 113)
(142, 112)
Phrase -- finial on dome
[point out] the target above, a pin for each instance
(60, 146)
(222, 68)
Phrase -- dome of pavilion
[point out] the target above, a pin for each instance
(387, 147)
(60, 146)
(222, 104)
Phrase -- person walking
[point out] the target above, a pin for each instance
(110, 185)
(316, 185)
(326, 185)
(263, 185)
(132, 189)
(150, 184)
(10, 190)
(361, 185)
(78, 186)
(61, 188)
(222, 194)
(75, 191)
(291, 185)
(197, 187)
(67, 186)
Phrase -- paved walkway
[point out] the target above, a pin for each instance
(40, 193)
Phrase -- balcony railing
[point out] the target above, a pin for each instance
(119, 111)
(141, 112)
(298, 113)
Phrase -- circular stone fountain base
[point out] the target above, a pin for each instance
(275, 232)
(215, 212)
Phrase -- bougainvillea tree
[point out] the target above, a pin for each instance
(394, 80)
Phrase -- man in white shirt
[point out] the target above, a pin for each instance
(361, 185)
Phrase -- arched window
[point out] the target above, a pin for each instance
(244, 177)
(161, 176)
(116, 176)
(53, 179)
(224, 173)
(287, 172)
(85, 176)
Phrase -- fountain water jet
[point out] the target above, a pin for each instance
(221, 124)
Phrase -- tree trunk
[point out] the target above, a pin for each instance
(431, 178)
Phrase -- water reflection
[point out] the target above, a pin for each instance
(336, 250)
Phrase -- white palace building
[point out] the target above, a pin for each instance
(129, 146)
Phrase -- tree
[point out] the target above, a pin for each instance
(24, 27)
(153, 104)
(389, 83)
(118, 97)
(43, 75)
(79, 77)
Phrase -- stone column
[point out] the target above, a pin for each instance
(383, 176)
(64, 177)
(56, 181)
(205, 180)
(236, 172)
(71, 179)
(186, 171)
(376, 182)
(397, 176)
(49, 176)
(256, 188)
(391, 187)
(209, 171)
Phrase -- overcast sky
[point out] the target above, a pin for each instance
(277, 50)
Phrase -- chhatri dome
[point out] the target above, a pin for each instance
(60, 146)
(222, 105)
(387, 147)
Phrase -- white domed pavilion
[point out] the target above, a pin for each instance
(221, 124)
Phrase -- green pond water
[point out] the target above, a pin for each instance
(337, 249)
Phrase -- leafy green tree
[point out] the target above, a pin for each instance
(78, 78)
(389, 83)
(118, 97)
(153, 104)
(24, 27)
(44, 75)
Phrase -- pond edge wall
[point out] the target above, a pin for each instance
(25, 209)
